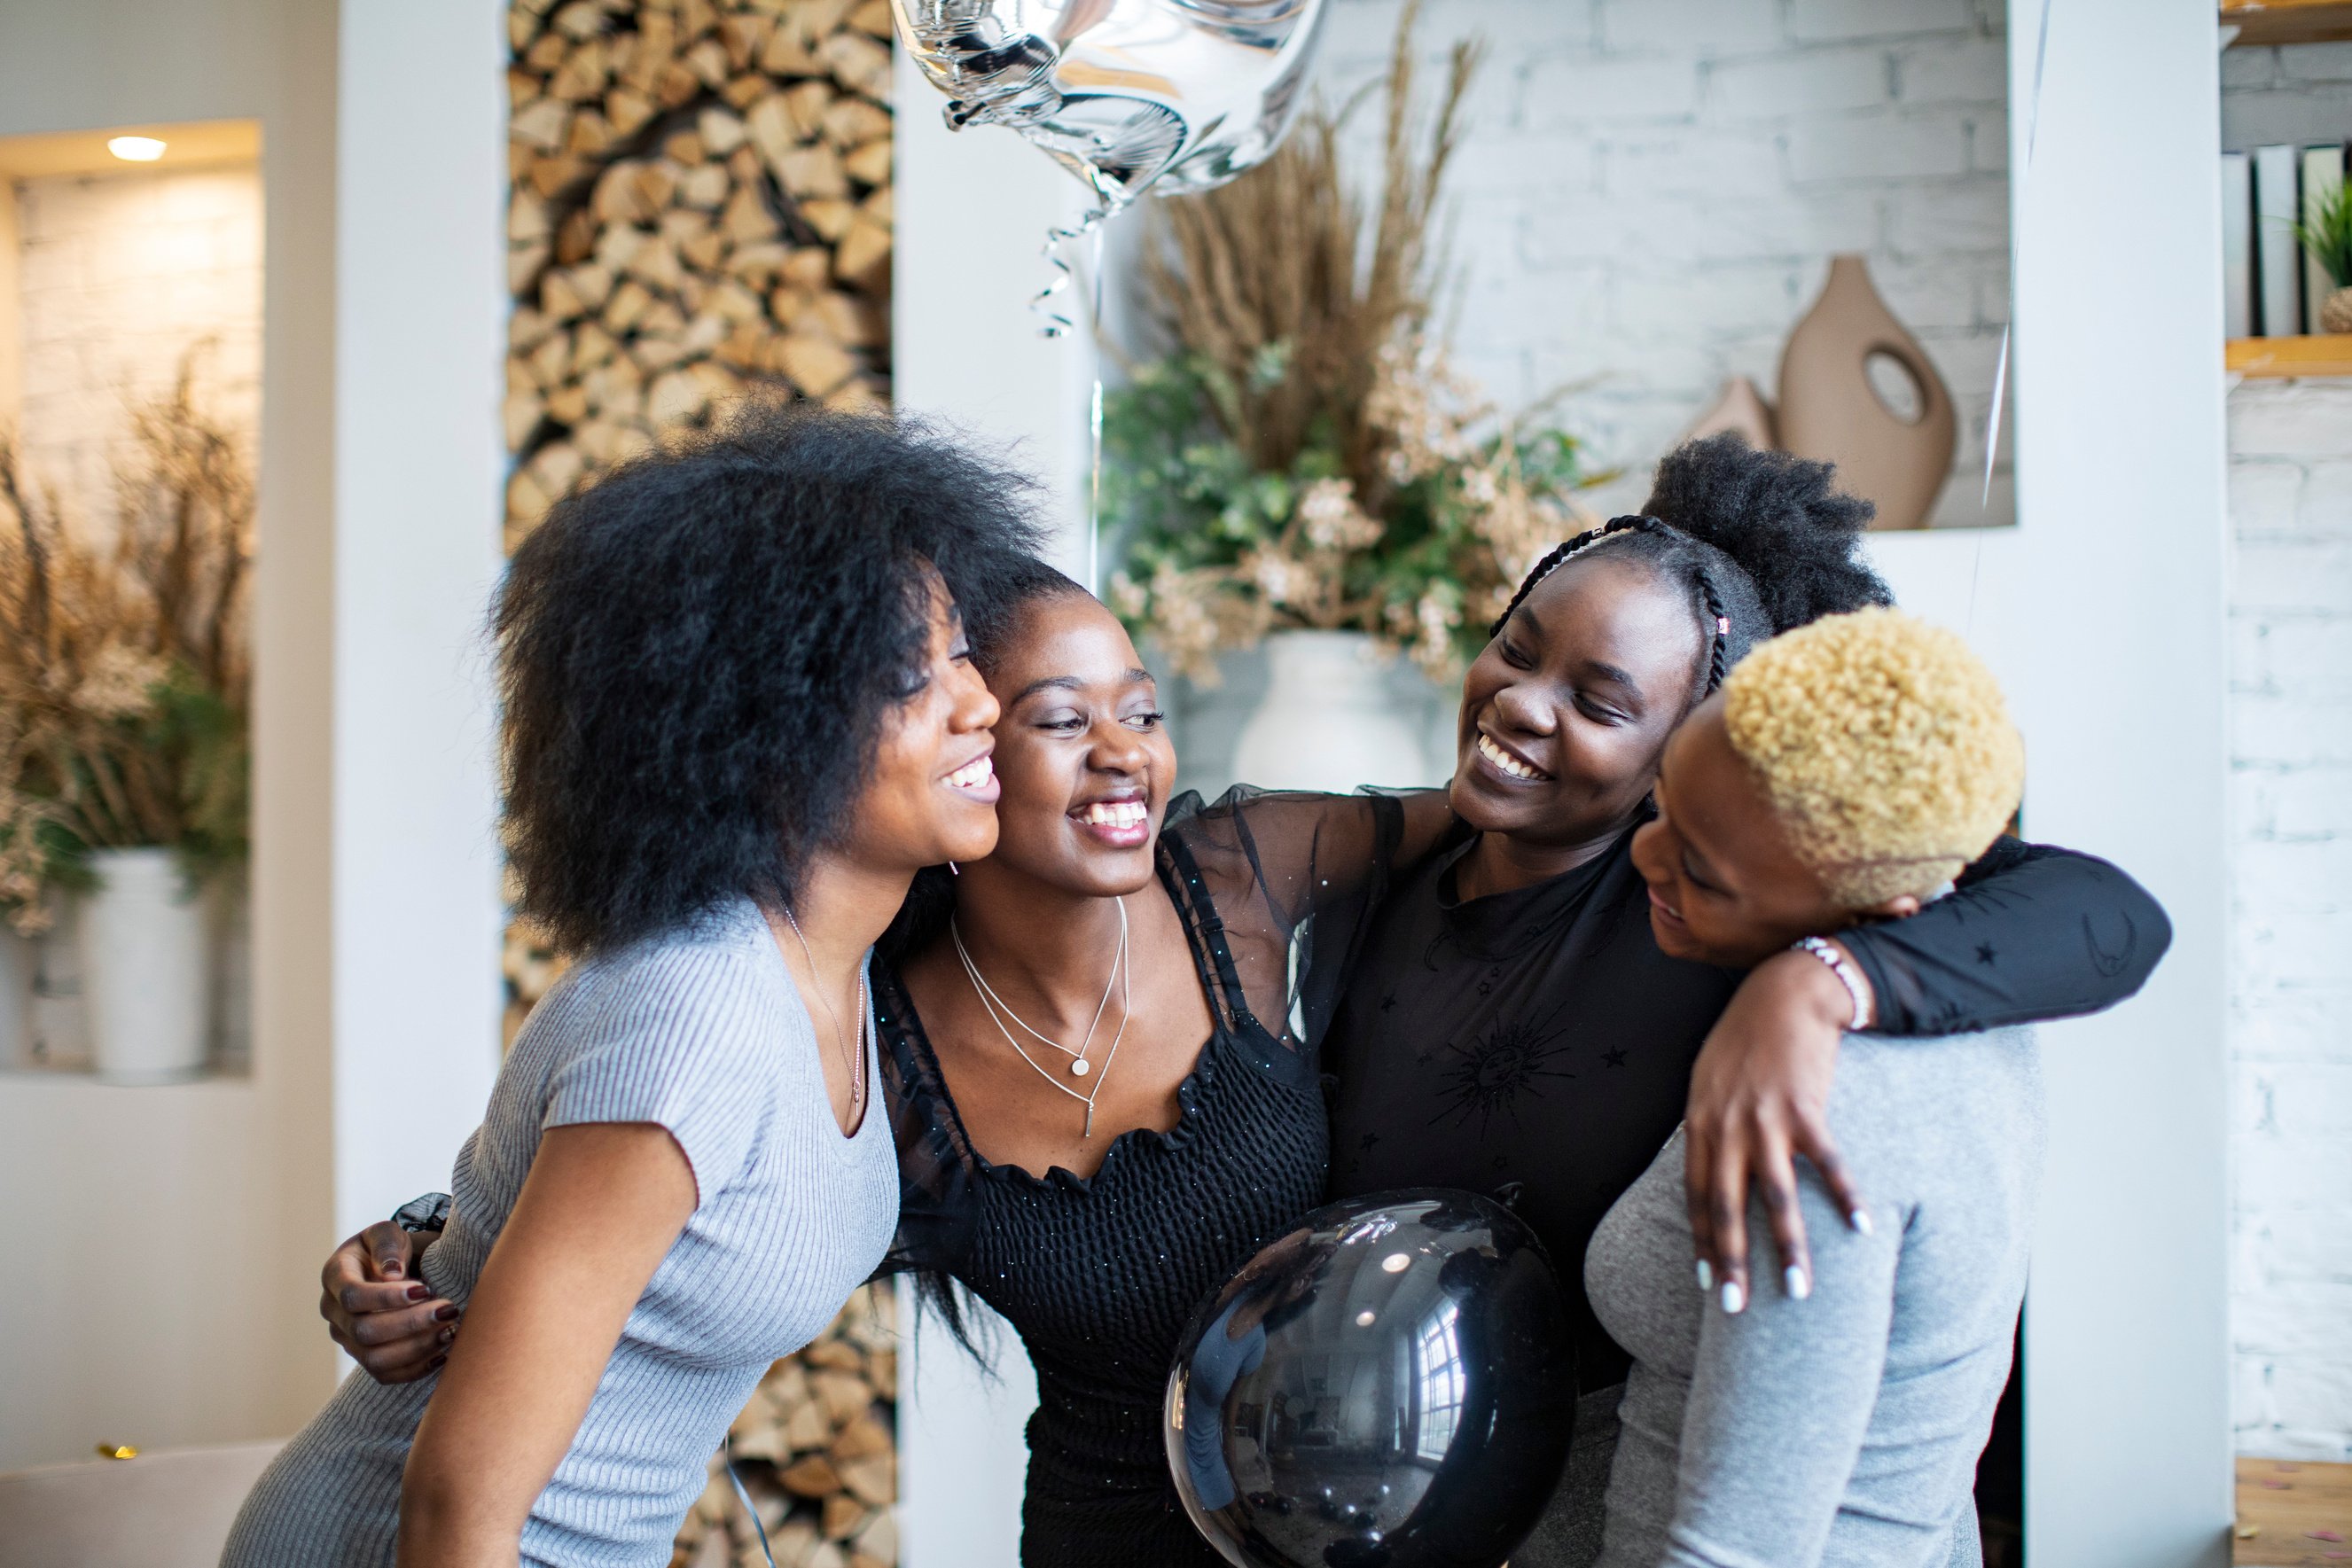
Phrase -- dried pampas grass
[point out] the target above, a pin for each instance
(1278, 286)
(125, 667)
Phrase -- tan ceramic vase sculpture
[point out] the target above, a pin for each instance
(1829, 410)
(1741, 409)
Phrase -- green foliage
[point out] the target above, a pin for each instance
(2326, 232)
(1218, 552)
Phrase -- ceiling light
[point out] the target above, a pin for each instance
(135, 149)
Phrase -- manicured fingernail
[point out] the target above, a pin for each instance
(1706, 1276)
(448, 1334)
(1798, 1286)
(1860, 1221)
(419, 1290)
(446, 1312)
(393, 1269)
(1734, 1298)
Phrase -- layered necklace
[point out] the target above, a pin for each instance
(855, 1060)
(1079, 1066)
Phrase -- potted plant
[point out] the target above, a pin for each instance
(124, 730)
(1302, 466)
(2326, 234)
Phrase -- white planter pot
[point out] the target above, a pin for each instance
(145, 981)
(1331, 719)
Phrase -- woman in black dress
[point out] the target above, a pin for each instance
(1510, 1025)
(1192, 959)
(1101, 1108)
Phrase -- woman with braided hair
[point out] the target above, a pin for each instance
(1512, 1026)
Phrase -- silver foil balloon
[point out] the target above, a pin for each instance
(1123, 93)
(1390, 1386)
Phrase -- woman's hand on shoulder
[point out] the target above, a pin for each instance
(1759, 1097)
(385, 1318)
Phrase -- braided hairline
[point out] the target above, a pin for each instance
(1717, 630)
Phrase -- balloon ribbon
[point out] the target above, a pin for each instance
(1054, 323)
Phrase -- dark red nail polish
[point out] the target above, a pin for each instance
(418, 1291)
(446, 1312)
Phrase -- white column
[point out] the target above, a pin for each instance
(973, 211)
(419, 329)
(2120, 450)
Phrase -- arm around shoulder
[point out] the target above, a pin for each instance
(2030, 932)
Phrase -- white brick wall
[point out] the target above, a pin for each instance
(120, 274)
(2291, 916)
(2299, 94)
(1651, 190)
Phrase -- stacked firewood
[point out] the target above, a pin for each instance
(700, 209)
(816, 1452)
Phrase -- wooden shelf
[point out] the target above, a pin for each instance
(2266, 22)
(2290, 1514)
(2326, 355)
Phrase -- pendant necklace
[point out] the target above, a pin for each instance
(853, 1060)
(998, 1012)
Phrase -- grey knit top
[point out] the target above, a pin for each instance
(703, 1032)
(1843, 1429)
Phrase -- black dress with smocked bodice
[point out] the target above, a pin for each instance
(1100, 1274)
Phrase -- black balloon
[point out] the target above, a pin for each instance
(1390, 1386)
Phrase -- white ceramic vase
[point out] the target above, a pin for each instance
(1331, 718)
(145, 981)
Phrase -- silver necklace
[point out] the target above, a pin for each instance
(854, 1061)
(998, 1012)
(1079, 1066)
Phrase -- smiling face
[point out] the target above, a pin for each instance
(930, 791)
(1085, 757)
(1725, 886)
(1566, 712)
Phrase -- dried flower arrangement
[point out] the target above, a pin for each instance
(1305, 458)
(124, 669)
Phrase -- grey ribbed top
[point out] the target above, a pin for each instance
(703, 1032)
(1843, 1429)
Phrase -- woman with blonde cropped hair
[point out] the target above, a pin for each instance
(1847, 771)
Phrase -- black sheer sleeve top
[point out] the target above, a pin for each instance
(1099, 1275)
(1537, 1045)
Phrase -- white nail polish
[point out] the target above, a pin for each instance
(1705, 1277)
(1733, 1297)
(1860, 1219)
(1798, 1286)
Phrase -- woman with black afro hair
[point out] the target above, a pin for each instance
(739, 716)
(1108, 1044)
(1512, 1025)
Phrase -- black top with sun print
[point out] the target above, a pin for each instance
(1537, 1045)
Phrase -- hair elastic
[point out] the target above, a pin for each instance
(1718, 624)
